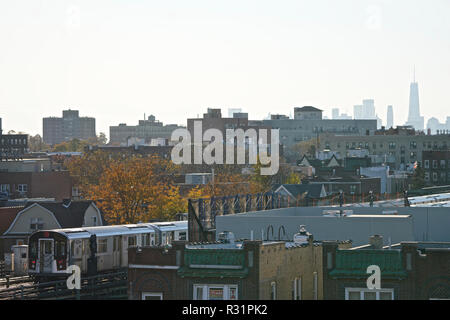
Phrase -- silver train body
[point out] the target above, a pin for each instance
(52, 251)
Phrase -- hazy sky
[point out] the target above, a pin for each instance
(118, 59)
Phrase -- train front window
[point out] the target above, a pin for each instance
(60, 248)
(47, 247)
(33, 249)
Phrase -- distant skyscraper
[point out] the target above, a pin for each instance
(379, 122)
(414, 118)
(358, 112)
(335, 113)
(390, 117)
(232, 111)
(368, 109)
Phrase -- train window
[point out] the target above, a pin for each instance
(102, 245)
(152, 241)
(146, 239)
(33, 249)
(182, 236)
(60, 248)
(47, 247)
(131, 241)
(75, 248)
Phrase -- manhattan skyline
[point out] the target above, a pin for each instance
(117, 61)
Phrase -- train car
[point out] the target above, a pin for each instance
(52, 251)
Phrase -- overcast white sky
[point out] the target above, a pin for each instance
(118, 59)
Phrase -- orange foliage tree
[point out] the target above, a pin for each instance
(128, 189)
(137, 190)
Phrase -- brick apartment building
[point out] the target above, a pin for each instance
(437, 167)
(244, 270)
(47, 184)
(70, 126)
(409, 271)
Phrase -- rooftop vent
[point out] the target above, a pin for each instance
(226, 237)
(376, 241)
(303, 236)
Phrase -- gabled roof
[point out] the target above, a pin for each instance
(7, 216)
(316, 163)
(69, 215)
(296, 190)
(333, 160)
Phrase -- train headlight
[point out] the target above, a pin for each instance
(61, 264)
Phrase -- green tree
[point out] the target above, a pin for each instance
(418, 179)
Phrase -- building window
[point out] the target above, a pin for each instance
(413, 145)
(316, 286)
(427, 176)
(435, 176)
(215, 292)
(273, 291)
(22, 188)
(442, 164)
(426, 164)
(391, 145)
(36, 224)
(182, 236)
(435, 164)
(367, 294)
(297, 289)
(4, 188)
(152, 296)
(75, 192)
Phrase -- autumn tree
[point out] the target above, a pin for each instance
(36, 143)
(137, 189)
(305, 148)
(86, 170)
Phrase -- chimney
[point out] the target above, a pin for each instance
(376, 241)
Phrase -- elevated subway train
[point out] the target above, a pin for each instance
(52, 251)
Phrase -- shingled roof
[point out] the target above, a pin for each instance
(7, 216)
(70, 214)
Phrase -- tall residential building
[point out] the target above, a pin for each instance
(70, 126)
(414, 118)
(146, 129)
(390, 117)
